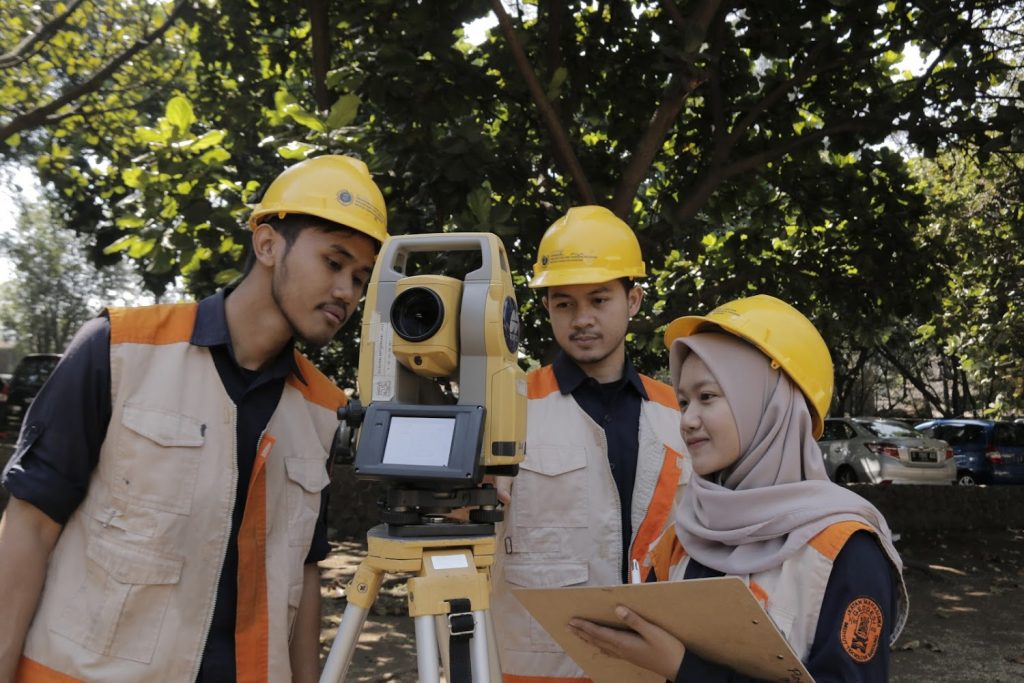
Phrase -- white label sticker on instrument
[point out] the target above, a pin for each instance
(449, 562)
(383, 360)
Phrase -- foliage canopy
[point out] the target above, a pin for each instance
(755, 146)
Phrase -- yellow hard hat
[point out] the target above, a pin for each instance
(586, 246)
(783, 334)
(333, 187)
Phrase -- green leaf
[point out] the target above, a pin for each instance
(180, 114)
(209, 139)
(479, 202)
(287, 106)
(133, 177)
(557, 80)
(295, 150)
(344, 111)
(139, 247)
(152, 135)
(215, 156)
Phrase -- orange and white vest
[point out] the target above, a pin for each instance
(131, 584)
(791, 593)
(563, 526)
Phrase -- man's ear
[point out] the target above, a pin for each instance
(544, 301)
(265, 243)
(635, 297)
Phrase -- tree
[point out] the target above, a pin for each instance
(747, 142)
(55, 287)
(83, 61)
(977, 334)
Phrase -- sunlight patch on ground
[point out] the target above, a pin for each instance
(943, 568)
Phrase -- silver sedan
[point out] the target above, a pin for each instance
(876, 451)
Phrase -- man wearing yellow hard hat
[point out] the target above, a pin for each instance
(603, 454)
(168, 480)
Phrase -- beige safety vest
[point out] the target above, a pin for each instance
(130, 587)
(563, 526)
(791, 593)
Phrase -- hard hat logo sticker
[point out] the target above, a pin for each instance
(345, 197)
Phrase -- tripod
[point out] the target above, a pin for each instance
(451, 581)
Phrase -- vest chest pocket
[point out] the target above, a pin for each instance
(307, 478)
(551, 488)
(158, 456)
(118, 610)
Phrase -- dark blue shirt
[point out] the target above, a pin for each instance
(615, 407)
(860, 571)
(65, 427)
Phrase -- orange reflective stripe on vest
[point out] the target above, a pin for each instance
(513, 678)
(830, 541)
(660, 508)
(252, 629)
(157, 325)
(30, 671)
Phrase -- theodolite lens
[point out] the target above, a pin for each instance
(417, 314)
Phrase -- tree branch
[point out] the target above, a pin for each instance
(717, 175)
(38, 116)
(677, 91)
(914, 379)
(320, 36)
(21, 50)
(559, 138)
(650, 143)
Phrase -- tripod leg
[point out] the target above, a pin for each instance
(361, 593)
(426, 649)
(492, 648)
(479, 653)
(344, 645)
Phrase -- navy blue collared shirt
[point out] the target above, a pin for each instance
(615, 407)
(861, 572)
(65, 427)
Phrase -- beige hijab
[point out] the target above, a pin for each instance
(777, 496)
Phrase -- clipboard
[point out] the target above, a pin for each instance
(718, 619)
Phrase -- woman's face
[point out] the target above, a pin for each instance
(707, 423)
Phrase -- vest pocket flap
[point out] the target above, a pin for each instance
(309, 473)
(547, 575)
(134, 565)
(163, 427)
(554, 460)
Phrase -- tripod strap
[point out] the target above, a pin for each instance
(460, 628)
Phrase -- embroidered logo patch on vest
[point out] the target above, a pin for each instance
(861, 629)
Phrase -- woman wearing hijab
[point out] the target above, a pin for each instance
(754, 381)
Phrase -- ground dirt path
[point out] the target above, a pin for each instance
(966, 612)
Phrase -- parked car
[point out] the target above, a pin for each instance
(27, 379)
(879, 450)
(986, 451)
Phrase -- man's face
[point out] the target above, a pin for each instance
(589, 321)
(318, 282)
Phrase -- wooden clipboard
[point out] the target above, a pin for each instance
(718, 619)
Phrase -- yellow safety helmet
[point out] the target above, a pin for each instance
(586, 246)
(333, 187)
(783, 334)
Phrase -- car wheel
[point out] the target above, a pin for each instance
(965, 478)
(846, 475)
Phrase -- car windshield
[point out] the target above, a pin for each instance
(32, 374)
(885, 428)
(1008, 434)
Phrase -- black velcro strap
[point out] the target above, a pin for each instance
(460, 629)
